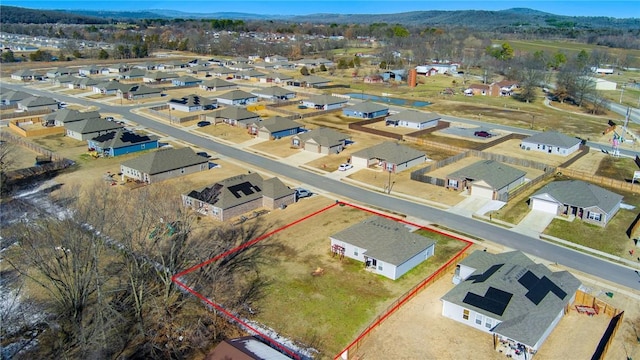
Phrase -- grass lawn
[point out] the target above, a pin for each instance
(327, 311)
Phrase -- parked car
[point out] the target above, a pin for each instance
(203, 154)
(109, 118)
(302, 193)
(345, 167)
(482, 133)
(204, 123)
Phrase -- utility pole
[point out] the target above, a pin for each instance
(533, 117)
(621, 92)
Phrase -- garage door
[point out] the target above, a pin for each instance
(543, 205)
(481, 191)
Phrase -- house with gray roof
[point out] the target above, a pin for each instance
(186, 81)
(366, 110)
(217, 84)
(136, 92)
(89, 128)
(251, 74)
(163, 164)
(57, 72)
(575, 198)
(27, 75)
(38, 103)
(245, 348)
(325, 102)
(158, 76)
(510, 297)
(110, 88)
(13, 97)
(309, 81)
(65, 81)
(387, 247)
(275, 77)
(237, 98)
(86, 83)
(551, 142)
(487, 179)
(389, 156)
(67, 116)
(321, 140)
(413, 119)
(234, 116)
(274, 93)
(222, 71)
(192, 102)
(132, 74)
(122, 141)
(275, 127)
(90, 70)
(239, 195)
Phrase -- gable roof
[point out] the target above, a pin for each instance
(384, 239)
(93, 125)
(391, 152)
(193, 100)
(325, 137)
(121, 138)
(187, 79)
(234, 113)
(38, 101)
(159, 75)
(15, 95)
(142, 90)
(278, 123)
(240, 189)
(414, 116)
(497, 175)
(581, 194)
(113, 85)
(244, 348)
(217, 82)
(276, 75)
(553, 138)
(312, 79)
(236, 95)
(164, 160)
(70, 115)
(273, 91)
(134, 73)
(326, 100)
(510, 287)
(367, 107)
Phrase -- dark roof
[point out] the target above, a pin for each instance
(164, 160)
(89, 126)
(581, 194)
(526, 297)
(497, 175)
(390, 152)
(244, 348)
(553, 138)
(385, 239)
(241, 189)
(121, 138)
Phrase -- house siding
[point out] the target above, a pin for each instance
(370, 115)
(555, 150)
(455, 312)
(413, 262)
(135, 174)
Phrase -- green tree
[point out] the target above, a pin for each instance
(40, 55)
(323, 68)
(304, 71)
(558, 60)
(7, 56)
(400, 31)
(103, 54)
(504, 52)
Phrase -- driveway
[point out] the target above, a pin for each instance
(302, 158)
(534, 223)
(475, 205)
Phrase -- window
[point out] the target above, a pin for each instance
(478, 319)
(453, 183)
(355, 251)
(465, 314)
(380, 267)
(488, 323)
(594, 216)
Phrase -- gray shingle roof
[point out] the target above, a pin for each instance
(193, 100)
(69, 115)
(234, 113)
(496, 174)
(273, 91)
(236, 95)
(312, 79)
(414, 116)
(38, 101)
(326, 137)
(89, 126)
(522, 319)
(326, 100)
(581, 194)
(15, 95)
(277, 123)
(121, 137)
(218, 83)
(367, 107)
(221, 195)
(164, 160)
(385, 239)
(187, 79)
(553, 138)
(390, 152)
(143, 90)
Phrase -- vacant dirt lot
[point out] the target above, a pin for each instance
(512, 148)
(419, 331)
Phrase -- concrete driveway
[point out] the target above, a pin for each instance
(475, 205)
(534, 223)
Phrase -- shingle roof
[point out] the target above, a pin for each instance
(325, 137)
(38, 101)
(273, 91)
(143, 90)
(165, 160)
(121, 138)
(497, 175)
(70, 115)
(553, 138)
(414, 116)
(524, 295)
(216, 82)
(385, 239)
(367, 107)
(193, 100)
(15, 95)
(89, 126)
(241, 189)
(234, 113)
(187, 79)
(277, 123)
(312, 79)
(326, 100)
(581, 194)
(391, 152)
(236, 95)
(159, 75)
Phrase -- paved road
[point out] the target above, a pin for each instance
(585, 263)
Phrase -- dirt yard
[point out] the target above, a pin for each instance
(512, 148)
(419, 331)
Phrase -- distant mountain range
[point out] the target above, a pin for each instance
(480, 19)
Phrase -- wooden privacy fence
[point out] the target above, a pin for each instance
(600, 180)
(360, 126)
(601, 306)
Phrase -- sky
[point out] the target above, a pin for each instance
(610, 8)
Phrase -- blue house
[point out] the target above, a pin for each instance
(186, 81)
(122, 142)
(366, 110)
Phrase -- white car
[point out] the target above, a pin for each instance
(345, 167)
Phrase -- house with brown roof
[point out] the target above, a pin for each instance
(244, 348)
(239, 195)
(163, 164)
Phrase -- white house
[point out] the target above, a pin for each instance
(487, 179)
(386, 247)
(389, 156)
(551, 142)
(325, 102)
(413, 119)
(509, 296)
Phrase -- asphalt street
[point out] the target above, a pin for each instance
(588, 264)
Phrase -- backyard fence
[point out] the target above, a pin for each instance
(402, 300)
(600, 180)
(441, 125)
(360, 126)
(26, 113)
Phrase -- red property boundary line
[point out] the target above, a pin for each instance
(234, 318)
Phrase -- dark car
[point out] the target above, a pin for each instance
(203, 154)
(482, 133)
(204, 123)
